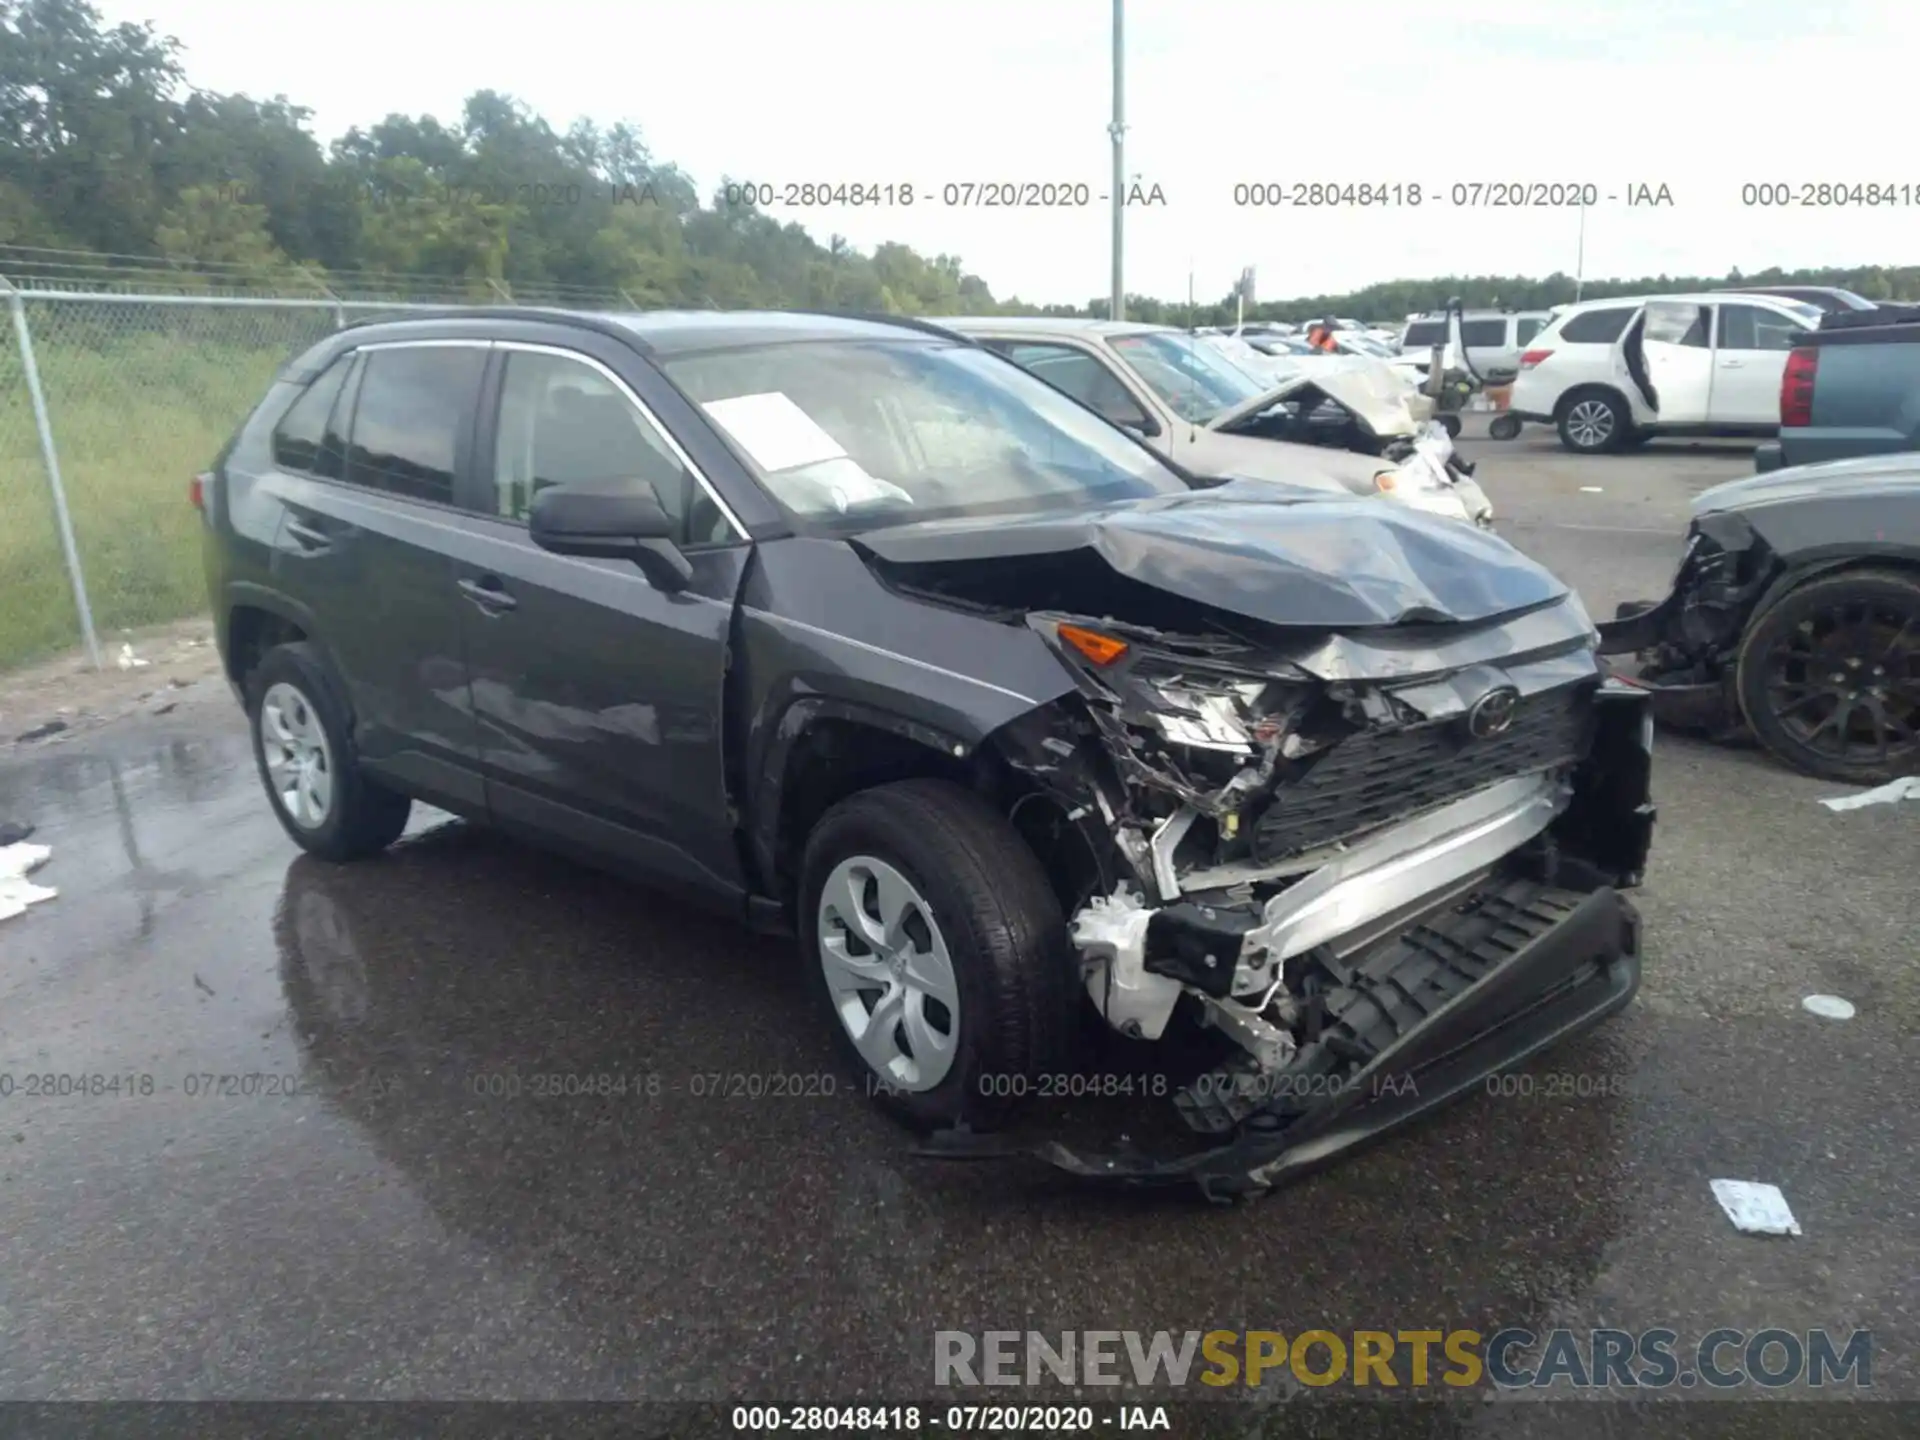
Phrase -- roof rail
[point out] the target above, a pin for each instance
(583, 319)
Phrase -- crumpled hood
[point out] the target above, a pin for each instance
(1367, 387)
(1255, 551)
(1891, 476)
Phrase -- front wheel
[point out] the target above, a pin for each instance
(1504, 427)
(1593, 423)
(1829, 677)
(938, 947)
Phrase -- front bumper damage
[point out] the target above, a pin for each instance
(1378, 908)
(1683, 650)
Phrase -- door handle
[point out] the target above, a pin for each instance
(488, 594)
(1731, 364)
(308, 537)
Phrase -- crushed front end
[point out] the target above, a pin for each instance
(1381, 864)
(1684, 648)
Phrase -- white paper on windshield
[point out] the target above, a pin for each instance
(782, 438)
(776, 433)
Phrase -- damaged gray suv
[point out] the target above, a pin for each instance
(855, 629)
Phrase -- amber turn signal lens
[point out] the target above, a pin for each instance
(1100, 649)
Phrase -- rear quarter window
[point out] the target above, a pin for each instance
(1424, 335)
(1597, 327)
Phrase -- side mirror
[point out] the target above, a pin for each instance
(628, 523)
(1138, 423)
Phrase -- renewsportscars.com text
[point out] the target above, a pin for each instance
(1512, 1358)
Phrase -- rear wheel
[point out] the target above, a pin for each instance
(938, 947)
(1829, 677)
(1592, 422)
(1504, 427)
(303, 746)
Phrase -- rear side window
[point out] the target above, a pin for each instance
(1526, 328)
(1597, 327)
(414, 406)
(1483, 334)
(301, 440)
(1424, 335)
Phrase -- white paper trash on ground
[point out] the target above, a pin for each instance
(1828, 1007)
(1754, 1208)
(1907, 787)
(16, 891)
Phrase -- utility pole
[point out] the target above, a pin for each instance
(1117, 303)
(1580, 257)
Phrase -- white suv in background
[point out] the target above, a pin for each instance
(1613, 373)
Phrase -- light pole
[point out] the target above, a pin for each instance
(1580, 256)
(1117, 302)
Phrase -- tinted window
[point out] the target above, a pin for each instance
(413, 404)
(1597, 327)
(1424, 335)
(300, 441)
(1748, 327)
(562, 422)
(1525, 329)
(1483, 334)
(1082, 377)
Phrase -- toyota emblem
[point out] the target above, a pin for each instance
(1492, 713)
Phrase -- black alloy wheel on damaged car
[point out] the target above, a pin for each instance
(1829, 677)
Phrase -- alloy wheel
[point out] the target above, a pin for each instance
(889, 974)
(1590, 423)
(1845, 681)
(299, 760)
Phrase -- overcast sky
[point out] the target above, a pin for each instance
(1701, 96)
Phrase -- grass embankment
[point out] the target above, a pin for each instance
(135, 415)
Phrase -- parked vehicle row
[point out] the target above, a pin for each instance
(859, 630)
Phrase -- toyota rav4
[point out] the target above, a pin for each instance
(856, 629)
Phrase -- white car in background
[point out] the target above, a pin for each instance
(1331, 426)
(1613, 373)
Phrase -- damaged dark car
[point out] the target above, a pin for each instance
(857, 630)
(1794, 617)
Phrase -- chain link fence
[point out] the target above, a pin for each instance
(136, 394)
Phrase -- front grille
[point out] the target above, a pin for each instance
(1370, 780)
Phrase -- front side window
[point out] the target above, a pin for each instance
(1748, 327)
(413, 404)
(852, 435)
(1081, 376)
(1194, 380)
(563, 422)
(301, 441)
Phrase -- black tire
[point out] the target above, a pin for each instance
(363, 817)
(1449, 422)
(1018, 987)
(1841, 626)
(1636, 439)
(1504, 427)
(1578, 418)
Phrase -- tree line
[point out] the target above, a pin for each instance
(106, 148)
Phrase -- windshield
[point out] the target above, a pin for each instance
(1359, 344)
(855, 435)
(1807, 312)
(1193, 378)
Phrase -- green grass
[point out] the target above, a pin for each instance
(140, 400)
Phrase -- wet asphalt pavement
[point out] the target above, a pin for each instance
(367, 1212)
